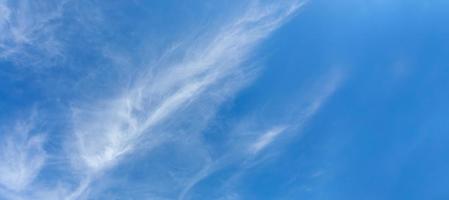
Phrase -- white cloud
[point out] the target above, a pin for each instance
(265, 139)
(127, 118)
(22, 157)
(248, 157)
(29, 25)
(106, 131)
(328, 84)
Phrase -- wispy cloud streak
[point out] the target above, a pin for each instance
(248, 156)
(265, 139)
(105, 132)
(29, 25)
(22, 157)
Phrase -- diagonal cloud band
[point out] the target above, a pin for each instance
(105, 132)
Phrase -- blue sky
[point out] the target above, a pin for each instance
(226, 100)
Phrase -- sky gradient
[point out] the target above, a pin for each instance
(227, 100)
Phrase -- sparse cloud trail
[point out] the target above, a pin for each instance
(107, 131)
(248, 156)
(22, 157)
(104, 134)
(265, 139)
(29, 28)
(223, 99)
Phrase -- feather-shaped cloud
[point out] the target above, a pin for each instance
(105, 133)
